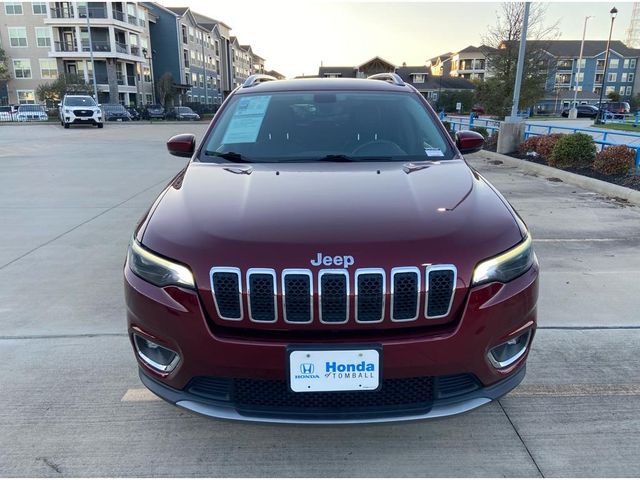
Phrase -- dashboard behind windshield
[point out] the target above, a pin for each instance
(326, 125)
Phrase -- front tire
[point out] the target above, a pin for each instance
(65, 125)
(100, 125)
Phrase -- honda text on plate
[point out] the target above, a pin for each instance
(328, 256)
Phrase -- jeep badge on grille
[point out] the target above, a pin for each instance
(328, 260)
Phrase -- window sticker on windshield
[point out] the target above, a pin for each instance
(433, 152)
(247, 120)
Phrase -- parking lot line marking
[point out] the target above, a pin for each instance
(577, 390)
(139, 395)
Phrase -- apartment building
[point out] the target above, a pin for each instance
(26, 41)
(44, 39)
(469, 63)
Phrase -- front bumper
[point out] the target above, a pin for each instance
(229, 409)
(174, 317)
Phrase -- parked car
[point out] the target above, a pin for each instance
(134, 113)
(8, 113)
(616, 109)
(114, 112)
(328, 256)
(31, 112)
(183, 113)
(477, 110)
(584, 111)
(155, 112)
(80, 109)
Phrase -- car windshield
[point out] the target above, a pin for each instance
(80, 102)
(184, 110)
(155, 107)
(113, 108)
(326, 126)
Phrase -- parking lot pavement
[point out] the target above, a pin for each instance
(73, 405)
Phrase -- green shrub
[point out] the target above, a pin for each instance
(614, 160)
(575, 150)
(546, 144)
(529, 145)
(481, 130)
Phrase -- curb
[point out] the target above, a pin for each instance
(588, 183)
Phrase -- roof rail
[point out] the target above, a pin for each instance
(256, 79)
(388, 77)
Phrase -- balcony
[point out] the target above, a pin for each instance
(65, 46)
(96, 46)
(62, 12)
(94, 12)
(126, 80)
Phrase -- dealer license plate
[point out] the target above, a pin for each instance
(334, 370)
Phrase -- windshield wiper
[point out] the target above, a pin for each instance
(231, 156)
(347, 158)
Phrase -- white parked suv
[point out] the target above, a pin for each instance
(77, 109)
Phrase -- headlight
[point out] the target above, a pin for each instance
(67, 110)
(506, 266)
(157, 270)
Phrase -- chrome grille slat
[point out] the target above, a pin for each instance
(440, 285)
(333, 293)
(262, 292)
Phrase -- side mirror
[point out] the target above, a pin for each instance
(182, 145)
(468, 141)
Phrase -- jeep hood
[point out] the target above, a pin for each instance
(382, 214)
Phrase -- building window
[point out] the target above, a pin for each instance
(600, 65)
(184, 34)
(39, 8)
(625, 64)
(612, 77)
(623, 78)
(185, 56)
(43, 36)
(598, 79)
(418, 78)
(22, 68)
(191, 32)
(632, 63)
(193, 56)
(148, 98)
(628, 92)
(580, 77)
(630, 77)
(609, 89)
(563, 78)
(582, 64)
(146, 72)
(186, 79)
(194, 79)
(613, 63)
(48, 68)
(26, 97)
(566, 64)
(188, 98)
(18, 36)
(13, 8)
(621, 90)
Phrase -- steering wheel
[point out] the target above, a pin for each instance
(379, 147)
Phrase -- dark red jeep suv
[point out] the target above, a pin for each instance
(328, 256)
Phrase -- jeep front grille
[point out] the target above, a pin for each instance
(332, 295)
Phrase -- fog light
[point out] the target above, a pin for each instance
(157, 357)
(509, 352)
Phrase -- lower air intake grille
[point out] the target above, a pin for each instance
(333, 297)
(276, 394)
(226, 290)
(441, 286)
(262, 297)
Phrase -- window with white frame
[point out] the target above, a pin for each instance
(148, 98)
(48, 68)
(621, 90)
(22, 68)
(630, 77)
(18, 36)
(580, 77)
(201, 98)
(582, 63)
(418, 78)
(612, 77)
(26, 97)
(613, 63)
(194, 79)
(43, 36)
(146, 72)
(39, 8)
(628, 91)
(201, 78)
(625, 64)
(13, 8)
(610, 89)
(632, 63)
(623, 77)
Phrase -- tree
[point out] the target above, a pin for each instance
(165, 87)
(449, 99)
(68, 83)
(502, 43)
(4, 68)
(613, 96)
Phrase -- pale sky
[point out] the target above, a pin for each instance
(295, 36)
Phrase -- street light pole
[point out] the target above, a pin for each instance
(613, 12)
(573, 113)
(520, 66)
